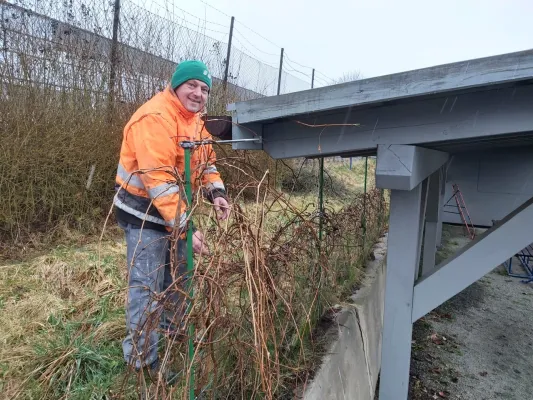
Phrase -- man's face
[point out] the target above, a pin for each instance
(193, 95)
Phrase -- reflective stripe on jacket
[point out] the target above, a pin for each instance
(151, 158)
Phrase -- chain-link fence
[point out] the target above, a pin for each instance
(121, 48)
(72, 72)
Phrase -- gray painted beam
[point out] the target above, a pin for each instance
(435, 187)
(430, 248)
(403, 167)
(432, 217)
(443, 178)
(462, 75)
(468, 117)
(479, 257)
(423, 207)
(403, 239)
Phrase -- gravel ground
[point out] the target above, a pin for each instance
(479, 344)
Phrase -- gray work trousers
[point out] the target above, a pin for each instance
(151, 306)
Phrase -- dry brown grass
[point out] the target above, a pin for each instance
(42, 296)
(51, 143)
(256, 303)
(60, 122)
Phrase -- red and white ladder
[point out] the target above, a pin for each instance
(462, 211)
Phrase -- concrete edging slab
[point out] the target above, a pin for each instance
(351, 367)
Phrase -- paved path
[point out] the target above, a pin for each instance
(479, 344)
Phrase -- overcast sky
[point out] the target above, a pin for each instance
(375, 37)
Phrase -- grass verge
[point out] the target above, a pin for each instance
(62, 312)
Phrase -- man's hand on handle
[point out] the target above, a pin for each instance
(221, 207)
(198, 244)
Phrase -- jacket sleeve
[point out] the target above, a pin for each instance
(155, 148)
(211, 180)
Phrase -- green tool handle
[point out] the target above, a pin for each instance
(190, 268)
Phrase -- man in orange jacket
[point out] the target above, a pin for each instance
(149, 204)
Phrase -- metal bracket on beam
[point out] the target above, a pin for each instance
(403, 167)
(247, 137)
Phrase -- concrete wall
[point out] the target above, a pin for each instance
(493, 183)
(351, 367)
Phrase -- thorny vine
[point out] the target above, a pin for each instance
(257, 303)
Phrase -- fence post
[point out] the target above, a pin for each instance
(321, 199)
(280, 71)
(364, 205)
(279, 90)
(4, 35)
(313, 79)
(113, 60)
(226, 72)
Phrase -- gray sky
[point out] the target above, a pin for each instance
(375, 37)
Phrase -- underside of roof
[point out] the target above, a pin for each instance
(472, 105)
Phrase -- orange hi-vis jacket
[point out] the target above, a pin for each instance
(151, 153)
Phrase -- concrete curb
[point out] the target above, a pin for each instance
(351, 367)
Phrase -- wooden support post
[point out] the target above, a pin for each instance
(403, 249)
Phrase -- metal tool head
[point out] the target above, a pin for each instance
(218, 126)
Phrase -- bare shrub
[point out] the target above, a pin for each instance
(259, 294)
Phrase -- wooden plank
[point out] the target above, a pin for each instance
(403, 246)
(421, 122)
(464, 75)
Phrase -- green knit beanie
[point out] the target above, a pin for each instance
(190, 69)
